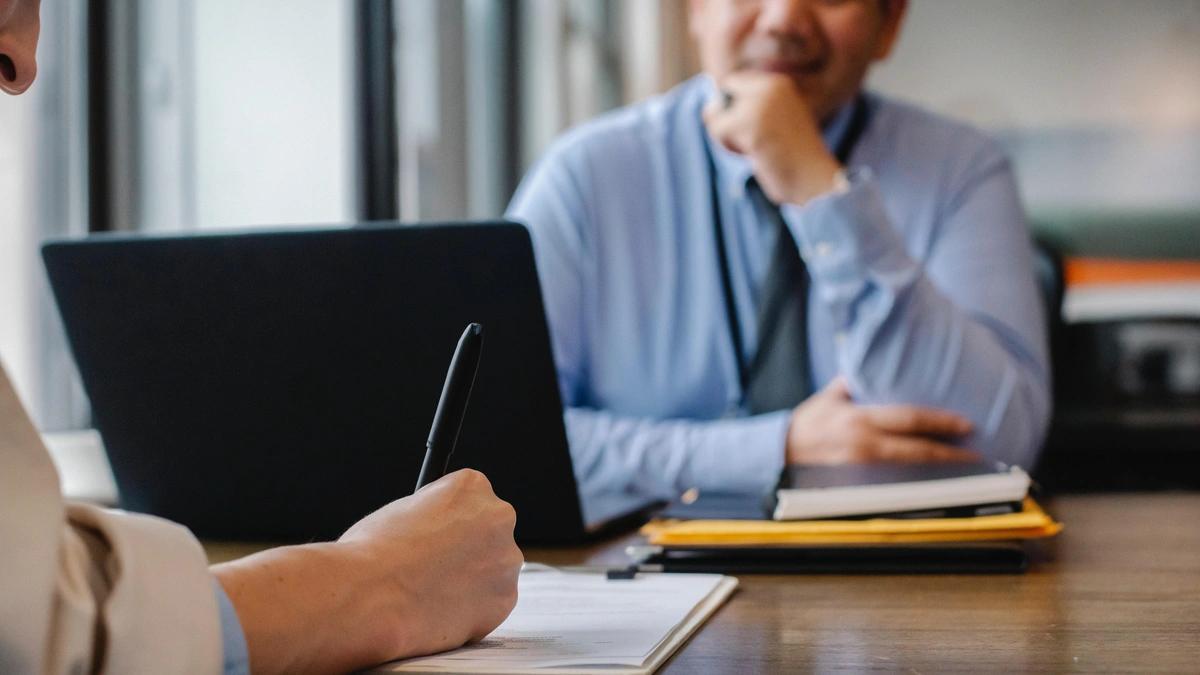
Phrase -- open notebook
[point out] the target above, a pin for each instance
(575, 622)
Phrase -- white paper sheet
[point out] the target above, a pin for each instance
(578, 620)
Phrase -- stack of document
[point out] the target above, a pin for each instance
(1030, 523)
(867, 518)
(572, 622)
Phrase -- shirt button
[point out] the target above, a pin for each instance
(839, 338)
(822, 249)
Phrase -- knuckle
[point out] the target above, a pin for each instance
(858, 438)
(514, 560)
(457, 479)
(864, 449)
(508, 514)
(475, 480)
(943, 421)
(929, 451)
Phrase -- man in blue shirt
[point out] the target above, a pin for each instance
(660, 231)
(85, 589)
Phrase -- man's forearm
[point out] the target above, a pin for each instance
(662, 458)
(308, 609)
(935, 356)
(903, 340)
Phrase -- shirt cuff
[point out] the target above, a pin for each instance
(744, 455)
(845, 235)
(233, 640)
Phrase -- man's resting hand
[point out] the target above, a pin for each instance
(829, 428)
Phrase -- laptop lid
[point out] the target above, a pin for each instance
(280, 384)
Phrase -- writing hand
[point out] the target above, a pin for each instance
(422, 574)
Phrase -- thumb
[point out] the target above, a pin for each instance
(838, 388)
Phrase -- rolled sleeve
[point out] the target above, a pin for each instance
(158, 608)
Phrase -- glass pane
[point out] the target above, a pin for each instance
(273, 112)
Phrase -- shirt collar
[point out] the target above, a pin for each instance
(733, 170)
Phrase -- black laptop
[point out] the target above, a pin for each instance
(279, 385)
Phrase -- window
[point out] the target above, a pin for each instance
(169, 115)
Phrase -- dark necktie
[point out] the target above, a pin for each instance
(778, 376)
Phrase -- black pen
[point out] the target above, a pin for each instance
(452, 406)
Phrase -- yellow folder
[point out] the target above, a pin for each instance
(1030, 523)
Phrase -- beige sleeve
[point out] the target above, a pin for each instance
(83, 589)
(133, 595)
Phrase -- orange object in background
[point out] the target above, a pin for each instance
(1088, 271)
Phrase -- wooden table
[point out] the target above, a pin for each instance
(1118, 591)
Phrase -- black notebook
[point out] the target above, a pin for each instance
(952, 558)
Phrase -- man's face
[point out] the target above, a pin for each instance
(824, 46)
(19, 26)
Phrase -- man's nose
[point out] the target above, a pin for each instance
(793, 17)
(18, 67)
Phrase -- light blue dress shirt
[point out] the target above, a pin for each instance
(922, 292)
(233, 640)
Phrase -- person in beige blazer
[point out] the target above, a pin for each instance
(85, 589)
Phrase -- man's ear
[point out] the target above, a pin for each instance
(894, 12)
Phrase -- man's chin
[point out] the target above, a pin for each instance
(806, 82)
(822, 101)
(808, 85)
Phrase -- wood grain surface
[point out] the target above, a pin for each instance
(1117, 591)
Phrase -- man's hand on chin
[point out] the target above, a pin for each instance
(764, 117)
(829, 428)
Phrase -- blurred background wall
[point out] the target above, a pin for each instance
(1099, 99)
(189, 114)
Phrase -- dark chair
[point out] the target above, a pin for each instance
(1051, 278)
(1102, 438)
